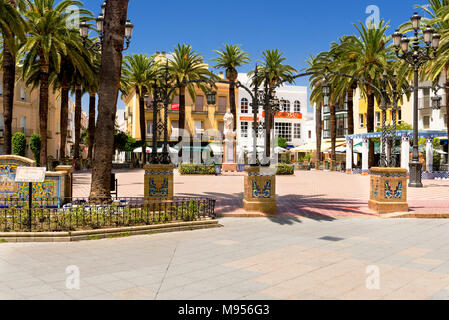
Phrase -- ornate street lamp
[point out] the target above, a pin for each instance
(84, 31)
(416, 56)
(436, 102)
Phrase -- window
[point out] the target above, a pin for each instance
(399, 116)
(23, 124)
(361, 121)
(285, 106)
(175, 128)
(326, 127)
(199, 104)
(175, 103)
(150, 129)
(297, 106)
(1, 89)
(244, 105)
(426, 122)
(284, 130)
(260, 133)
(222, 104)
(23, 95)
(342, 124)
(244, 129)
(221, 127)
(297, 131)
(198, 125)
(378, 119)
(310, 134)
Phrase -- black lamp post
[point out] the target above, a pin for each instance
(416, 57)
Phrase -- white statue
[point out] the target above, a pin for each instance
(229, 126)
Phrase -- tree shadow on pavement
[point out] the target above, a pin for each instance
(291, 208)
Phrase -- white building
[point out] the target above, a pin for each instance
(291, 123)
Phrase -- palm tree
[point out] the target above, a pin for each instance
(109, 80)
(49, 39)
(320, 65)
(138, 73)
(92, 89)
(438, 11)
(67, 77)
(11, 25)
(186, 65)
(371, 55)
(273, 70)
(229, 58)
(344, 88)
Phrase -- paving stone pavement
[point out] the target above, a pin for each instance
(314, 194)
(246, 259)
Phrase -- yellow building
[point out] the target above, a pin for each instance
(360, 113)
(199, 116)
(26, 116)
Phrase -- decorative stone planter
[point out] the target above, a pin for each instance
(158, 182)
(388, 190)
(260, 190)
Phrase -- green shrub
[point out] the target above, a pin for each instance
(19, 144)
(285, 169)
(35, 146)
(196, 169)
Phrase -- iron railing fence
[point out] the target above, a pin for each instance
(50, 215)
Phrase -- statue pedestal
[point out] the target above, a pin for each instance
(388, 190)
(260, 191)
(229, 156)
(158, 184)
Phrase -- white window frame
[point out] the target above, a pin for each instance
(297, 106)
(244, 106)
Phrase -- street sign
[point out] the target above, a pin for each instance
(30, 174)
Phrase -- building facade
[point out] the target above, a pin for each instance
(199, 116)
(26, 117)
(290, 123)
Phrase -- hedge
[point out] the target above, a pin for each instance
(19, 144)
(285, 169)
(196, 169)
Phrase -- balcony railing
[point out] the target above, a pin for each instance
(199, 109)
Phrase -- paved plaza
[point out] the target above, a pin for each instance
(314, 194)
(325, 244)
(246, 259)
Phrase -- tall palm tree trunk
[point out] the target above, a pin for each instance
(9, 76)
(232, 105)
(43, 108)
(9, 72)
(78, 110)
(350, 111)
(182, 115)
(447, 111)
(143, 131)
(318, 136)
(109, 79)
(370, 127)
(333, 128)
(64, 112)
(182, 108)
(91, 126)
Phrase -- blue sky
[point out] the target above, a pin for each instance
(296, 27)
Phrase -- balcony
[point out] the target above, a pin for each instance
(199, 110)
